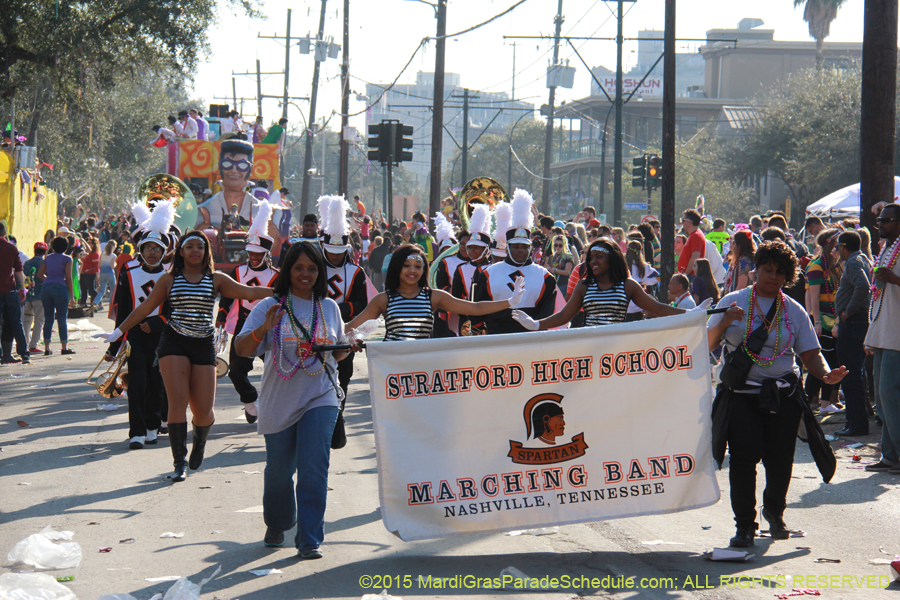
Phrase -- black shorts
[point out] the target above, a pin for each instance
(200, 351)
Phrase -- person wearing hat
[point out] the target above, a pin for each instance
(348, 285)
(446, 324)
(477, 243)
(496, 283)
(309, 232)
(232, 313)
(235, 166)
(136, 279)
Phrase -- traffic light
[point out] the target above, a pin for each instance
(378, 144)
(654, 172)
(403, 140)
(639, 172)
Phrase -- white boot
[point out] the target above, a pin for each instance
(137, 442)
(151, 437)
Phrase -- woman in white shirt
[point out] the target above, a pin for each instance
(107, 272)
(641, 272)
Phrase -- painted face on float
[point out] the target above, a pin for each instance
(235, 170)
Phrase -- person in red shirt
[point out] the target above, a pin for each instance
(695, 247)
(124, 257)
(90, 268)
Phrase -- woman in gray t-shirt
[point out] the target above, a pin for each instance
(299, 398)
(764, 414)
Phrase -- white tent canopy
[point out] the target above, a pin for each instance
(845, 200)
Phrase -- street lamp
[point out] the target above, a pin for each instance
(510, 152)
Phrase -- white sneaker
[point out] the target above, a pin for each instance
(137, 442)
(151, 437)
(251, 411)
(830, 409)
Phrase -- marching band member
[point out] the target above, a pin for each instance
(477, 244)
(347, 285)
(446, 325)
(257, 272)
(136, 279)
(497, 281)
(408, 304)
(187, 355)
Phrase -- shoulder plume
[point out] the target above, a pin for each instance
(141, 213)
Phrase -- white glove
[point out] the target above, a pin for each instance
(518, 292)
(524, 320)
(108, 337)
(703, 305)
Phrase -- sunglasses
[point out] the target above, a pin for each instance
(881, 220)
(241, 165)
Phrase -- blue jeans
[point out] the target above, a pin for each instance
(851, 354)
(12, 318)
(107, 280)
(55, 298)
(305, 449)
(887, 402)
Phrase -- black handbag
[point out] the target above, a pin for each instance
(737, 363)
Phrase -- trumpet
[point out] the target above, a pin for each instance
(110, 383)
(221, 344)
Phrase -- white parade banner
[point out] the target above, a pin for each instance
(496, 433)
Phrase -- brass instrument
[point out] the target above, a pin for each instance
(480, 190)
(111, 383)
(163, 186)
(221, 343)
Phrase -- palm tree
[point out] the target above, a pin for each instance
(819, 14)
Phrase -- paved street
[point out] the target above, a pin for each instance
(67, 464)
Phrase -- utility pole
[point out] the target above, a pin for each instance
(617, 152)
(879, 84)
(465, 143)
(548, 138)
(233, 94)
(344, 172)
(667, 194)
(513, 96)
(307, 155)
(287, 65)
(437, 116)
(258, 90)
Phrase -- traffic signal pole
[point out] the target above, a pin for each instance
(667, 196)
(437, 113)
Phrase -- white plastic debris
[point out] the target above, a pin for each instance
(49, 533)
(169, 534)
(107, 407)
(252, 509)
(183, 589)
(163, 578)
(120, 597)
(383, 595)
(538, 531)
(662, 543)
(40, 552)
(264, 572)
(721, 554)
(85, 325)
(517, 575)
(33, 586)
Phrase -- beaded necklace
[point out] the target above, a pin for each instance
(780, 312)
(279, 356)
(878, 294)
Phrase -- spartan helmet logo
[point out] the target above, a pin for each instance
(544, 418)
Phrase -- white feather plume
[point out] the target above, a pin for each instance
(521, 210)
(503, 217)
(443, 228)
(322, 205)
(260, 225)
(162, 217)
(141, 213)
(481, 220)
(337, 225)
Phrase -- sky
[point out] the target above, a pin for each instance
(385, 33)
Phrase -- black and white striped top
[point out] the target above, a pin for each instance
(605, 307)
(408, 318)
(191, 306)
